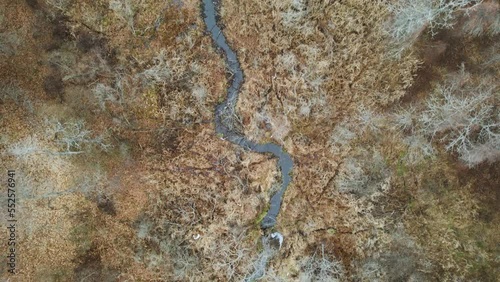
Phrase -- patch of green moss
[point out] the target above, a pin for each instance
(331, 231)
(81, 235)
(401, 167)
(56, 275)
(261, 215)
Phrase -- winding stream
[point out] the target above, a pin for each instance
(226, 120)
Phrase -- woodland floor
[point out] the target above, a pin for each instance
(106, 115)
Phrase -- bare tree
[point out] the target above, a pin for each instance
(464, 114)
(73, 137)
(411, 18)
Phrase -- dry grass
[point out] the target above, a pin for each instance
(312, 66)
(61, 188)
(172, 201)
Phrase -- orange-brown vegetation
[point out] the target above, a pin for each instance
(106, 114)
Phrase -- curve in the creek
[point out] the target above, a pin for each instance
(226, 118)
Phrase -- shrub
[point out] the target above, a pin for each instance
(200, 94)
(162, 251)
(160, 72)
(398, 258)
(362, 174)
(227, 254)
(65, 61)
(492, 57)
(125, 10)
(14, 93)
(11, 92)
(25, 147)
(9, 42)
(321, 268)
(404, 119)
(418, 149)
(61, 5)
(354, 177)
(73, 137)
(104, 93)
(341, 137)
(296, 11)
(273, 276)
(367, 120)
(260, 264)
(483, 19)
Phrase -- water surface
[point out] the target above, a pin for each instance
(225, 115)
